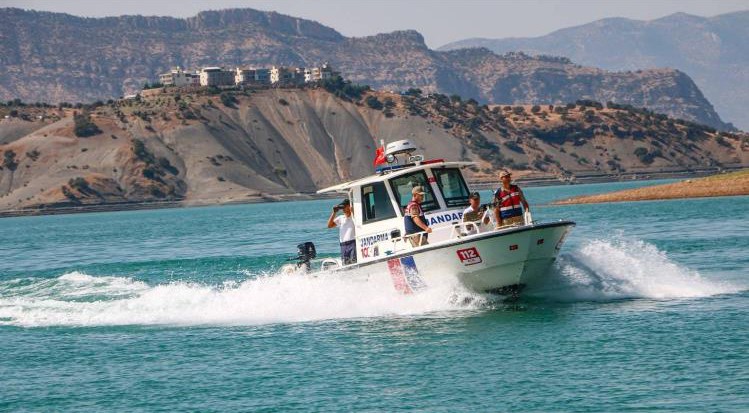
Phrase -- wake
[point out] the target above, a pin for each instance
(600, 270)
(77, 299)
(620, 268)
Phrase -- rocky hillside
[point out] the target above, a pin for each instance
(53, 57)
(241, 146)
(714, 51)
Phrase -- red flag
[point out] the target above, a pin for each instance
(380, 156)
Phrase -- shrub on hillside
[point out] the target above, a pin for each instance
(228, 100)
(344, 89)
(83, 126)
(723, 142)
(9, 160)
(33, 155)
(80, 184)
(647, 157)
(373, 102)
(513, 146)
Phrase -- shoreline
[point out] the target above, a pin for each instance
(534, 181)
(720, 185)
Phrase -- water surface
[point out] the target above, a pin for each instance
(184, 309)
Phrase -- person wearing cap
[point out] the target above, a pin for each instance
(474, 212)
(346, 233)
(507, 201)
(414, 220)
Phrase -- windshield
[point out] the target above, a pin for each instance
(376, 203)
(403, 185)
(452, 185)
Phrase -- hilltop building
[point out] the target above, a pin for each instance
(252, 76)
(178, 77)
(285, 75)
(216, 76)
(317, 74)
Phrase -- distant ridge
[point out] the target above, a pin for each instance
(57, 57)
(714, 51)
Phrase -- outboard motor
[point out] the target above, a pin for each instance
(306, 252)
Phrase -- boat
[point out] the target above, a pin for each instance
(482, 257)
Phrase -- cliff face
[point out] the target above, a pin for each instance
(714, 51)
(245, 146)
(57, 57)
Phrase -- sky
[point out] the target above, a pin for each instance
(439, 21)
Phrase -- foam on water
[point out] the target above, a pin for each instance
(67, 301)
(620, 268)
(599, 270)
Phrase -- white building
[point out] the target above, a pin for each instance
(252, 76)
(281, 74)
(178, 77)
(216, 76)
(262, 76)
(317, 74)
(244, 76)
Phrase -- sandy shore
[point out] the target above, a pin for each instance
(729, 184)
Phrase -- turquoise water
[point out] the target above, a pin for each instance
(184, 310)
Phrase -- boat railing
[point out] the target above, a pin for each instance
(447, 233)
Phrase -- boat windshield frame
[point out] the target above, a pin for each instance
(430, 202)
(452, 202)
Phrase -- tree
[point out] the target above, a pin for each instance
(373, 102)
(227, 99)
(84, 126)
(9, 160)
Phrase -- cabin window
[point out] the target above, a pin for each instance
(453, 187)
(376, 203)
(403, 185)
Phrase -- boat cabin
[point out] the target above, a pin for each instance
(379, 201)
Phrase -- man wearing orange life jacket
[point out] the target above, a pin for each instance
(507, 201)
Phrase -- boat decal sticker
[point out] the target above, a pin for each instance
(412, 274)
(445, 217)
(513, 247)
(405, 275)
(398, 277)
(469, 256)
(373, 239)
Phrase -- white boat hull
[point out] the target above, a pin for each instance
(485, 262)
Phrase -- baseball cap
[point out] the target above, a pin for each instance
(417, 190)
(344, 203)
(504, 172)
(474, 195)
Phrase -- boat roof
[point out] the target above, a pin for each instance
(391, 172)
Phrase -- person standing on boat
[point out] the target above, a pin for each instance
(414, 220)
(507, 201)
(475, 212)
(346, 233)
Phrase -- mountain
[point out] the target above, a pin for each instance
(55, 57)
(270, 144)
(714, 51)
